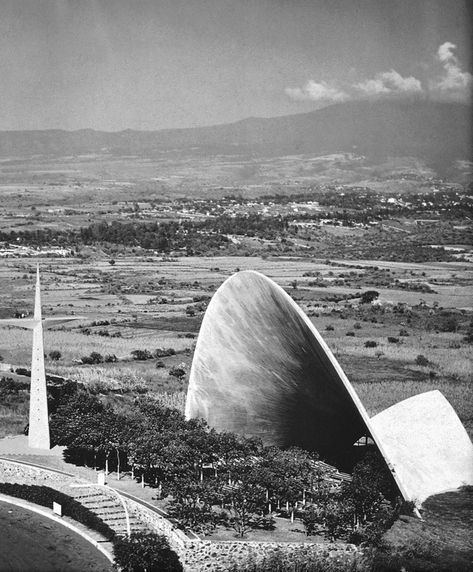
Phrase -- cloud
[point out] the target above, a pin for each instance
(389, 83)
(317, 91)
(453, 82)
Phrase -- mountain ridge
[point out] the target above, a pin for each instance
(436, 132)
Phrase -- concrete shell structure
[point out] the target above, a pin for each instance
(426, 444)
(261, 369)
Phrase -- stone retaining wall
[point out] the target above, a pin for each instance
(211, 556)
(196, 555)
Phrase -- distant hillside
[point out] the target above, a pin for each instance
(438, 133)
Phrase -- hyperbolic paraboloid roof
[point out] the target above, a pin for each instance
(427, 444)
(262, 369)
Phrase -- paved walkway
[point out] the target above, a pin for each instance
(16, 448)
(33, 542)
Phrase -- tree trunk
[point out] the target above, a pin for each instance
(106, 464)
(142, 480)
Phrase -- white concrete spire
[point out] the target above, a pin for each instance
(38, 433)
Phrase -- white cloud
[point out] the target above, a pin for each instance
(389, 83)
(317, 91)
(454, 82)
(445, 52)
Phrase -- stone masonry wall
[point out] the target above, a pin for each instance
(210, 556)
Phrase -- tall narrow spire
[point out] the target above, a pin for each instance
(38, 434)
(37, 299)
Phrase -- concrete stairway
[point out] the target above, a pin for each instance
(108, 508)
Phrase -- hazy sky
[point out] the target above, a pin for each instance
(116, 64)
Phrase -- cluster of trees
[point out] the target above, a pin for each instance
(194, 236)
(211, 478)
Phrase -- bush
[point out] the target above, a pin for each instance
(190, 311)
(160, 364)
(350, 334)
(393, 340)
(177, 371)
(141, 355)
(403, 333)
(371, 344)
(55, 355)
(329, 328)
(111, 358)
(357, 326)
(92, 359)
(164, 352)
(369, 296)
(145, 552)
(422, 360)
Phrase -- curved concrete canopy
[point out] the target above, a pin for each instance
(261, 369)
(426, 444)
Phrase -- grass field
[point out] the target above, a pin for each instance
(146, 301)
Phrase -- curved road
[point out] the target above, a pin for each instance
(30, 542)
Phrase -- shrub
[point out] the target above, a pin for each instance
(371, 344)
(350, 334)
(393, 340)
(141, 355)
(178, 372)
(55, 355)
(422, 360)
(111, 358)
(190, 311)
(160, 364)
(357, 326)
(164, 352)
(403, 333)
(92, 359)
(369, 296)
(329, 328)
(145, 551)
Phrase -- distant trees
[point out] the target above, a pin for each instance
(93, 359)
(422, 361)
(369, 296)
(141, 355)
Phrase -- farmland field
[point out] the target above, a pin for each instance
(151, 302)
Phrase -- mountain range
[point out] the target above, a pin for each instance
(438, 133)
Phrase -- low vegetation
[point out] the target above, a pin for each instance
(143, 552)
